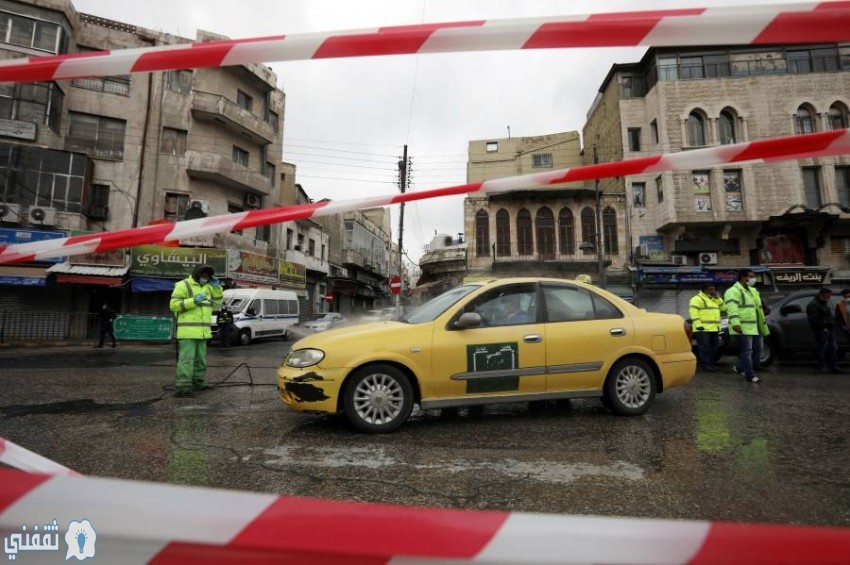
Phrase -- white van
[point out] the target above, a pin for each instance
(260, 313)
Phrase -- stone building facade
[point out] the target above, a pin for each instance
(98, 154)
(778, 215)
(537, 232)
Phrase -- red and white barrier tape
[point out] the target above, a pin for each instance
(806, 22)
(777, 149)
(143, 522)
(14, 455)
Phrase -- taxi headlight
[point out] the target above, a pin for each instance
(304, 358)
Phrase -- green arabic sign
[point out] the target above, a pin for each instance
(175, 262)
(145, 328)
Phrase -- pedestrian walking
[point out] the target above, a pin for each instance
(106, 317)
(822, 322)
(224, 320)
(747, 323)
(705, 311)
(193, 301)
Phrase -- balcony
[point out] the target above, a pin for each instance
(216, 108)
(352, 257)
(310, 262)
(222, 170)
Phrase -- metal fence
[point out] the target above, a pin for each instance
(47, 326)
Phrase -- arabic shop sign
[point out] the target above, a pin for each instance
(249, 267)
(113, 258)
(13, 236)
(293, 275)
(799, 277)
(694, 275)
(174, 262)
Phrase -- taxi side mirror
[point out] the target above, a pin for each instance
(469, 320)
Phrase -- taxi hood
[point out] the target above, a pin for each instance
(360, 332)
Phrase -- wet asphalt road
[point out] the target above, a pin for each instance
(720, 449)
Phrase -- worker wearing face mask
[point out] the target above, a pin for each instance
(193, 301)
(747, 323)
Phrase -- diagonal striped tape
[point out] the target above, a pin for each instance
(805, 22)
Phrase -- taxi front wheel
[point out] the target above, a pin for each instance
(629, 388)
(378, 399)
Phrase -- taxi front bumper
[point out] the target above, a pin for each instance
(312, 389)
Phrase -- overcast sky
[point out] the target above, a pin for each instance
(347, 119)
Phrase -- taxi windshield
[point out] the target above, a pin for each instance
(429, 311)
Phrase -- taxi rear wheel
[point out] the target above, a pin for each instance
(630, 387)
(378, 399)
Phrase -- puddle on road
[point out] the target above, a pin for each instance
(81, 406)
(375, 458)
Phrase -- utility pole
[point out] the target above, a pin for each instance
(402, 183)
(600, 244)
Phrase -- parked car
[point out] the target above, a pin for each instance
(372, 316)
(511, 340)
(325, 322)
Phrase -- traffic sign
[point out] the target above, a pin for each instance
(395, 285)
(329, 297)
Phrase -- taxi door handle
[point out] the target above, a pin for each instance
(533, 338)
(617, 332)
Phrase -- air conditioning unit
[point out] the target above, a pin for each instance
(708, 258)
(253, 201)
(202, 205)
(679, 259)
(41, 216)
(10, 213)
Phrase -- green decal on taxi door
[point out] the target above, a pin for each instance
(494, 357)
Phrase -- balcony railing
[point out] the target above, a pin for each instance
(222, 170)
(215, 107)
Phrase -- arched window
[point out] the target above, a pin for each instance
(567, 232)
(545, 222)
(726, 127)
(838, 116)
(524, 235)
(609, 229)
(696, 129)
(503, 233)
(804, 119)
(588, 227)
(482, 234)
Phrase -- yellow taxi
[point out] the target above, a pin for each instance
(511, 340)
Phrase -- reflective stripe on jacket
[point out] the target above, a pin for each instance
(194, 320)
(744, 307)
(705, 312)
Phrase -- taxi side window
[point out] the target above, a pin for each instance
(506, 306)
(572, 304)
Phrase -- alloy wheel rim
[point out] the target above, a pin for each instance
(633, 386)
(378, 399)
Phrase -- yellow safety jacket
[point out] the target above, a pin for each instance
(194, 320)
(745, 310)
(705, 312)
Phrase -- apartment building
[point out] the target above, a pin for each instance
(540, 231)
(98, 154)
(784, 218)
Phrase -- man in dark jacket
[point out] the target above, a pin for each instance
(822, 322)
(224, 320)
(106, 316)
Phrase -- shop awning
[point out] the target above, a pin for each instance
(89, 270)
(84, 279)
(151, 284)
(427, 286)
